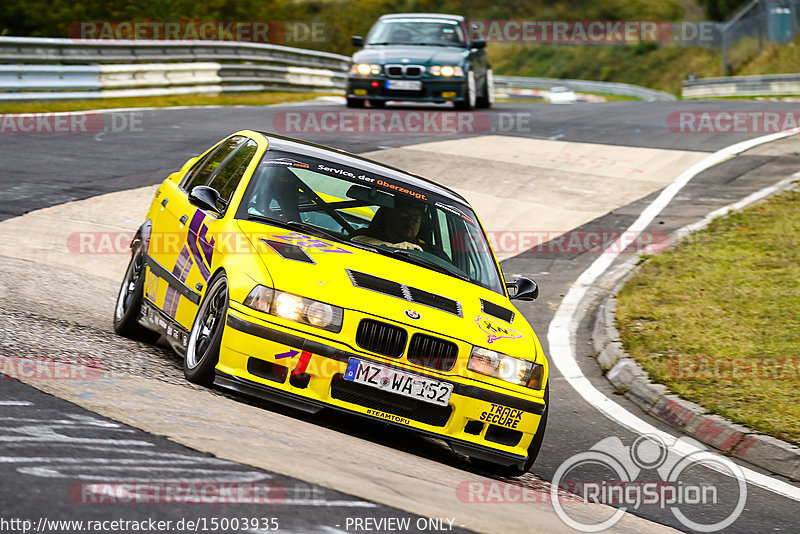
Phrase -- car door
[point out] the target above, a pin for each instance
(178, 253)
(205, 226)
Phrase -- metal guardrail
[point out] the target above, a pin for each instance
(764, 85)
(584, 86)
(110, 68)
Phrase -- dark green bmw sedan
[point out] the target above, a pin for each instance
(420, 57)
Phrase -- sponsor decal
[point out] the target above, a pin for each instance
(495, 330)
(388, 416)
(502, 416)
(411, 314)
(306, 241)
(287, 354)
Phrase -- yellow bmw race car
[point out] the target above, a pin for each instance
(320, 279)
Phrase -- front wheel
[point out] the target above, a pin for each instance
(487, 97)
(470, 94)
(533, 448)
(205, 338)
(129, 300)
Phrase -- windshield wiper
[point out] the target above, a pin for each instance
(412, 258)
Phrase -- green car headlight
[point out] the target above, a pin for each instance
(446, 70)
(365, 68)
(295, 308)
(498, 365)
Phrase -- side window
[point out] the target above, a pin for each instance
(202, 173)
(228, 177)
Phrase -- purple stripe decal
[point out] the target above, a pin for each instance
(194, 230)
(181, 270)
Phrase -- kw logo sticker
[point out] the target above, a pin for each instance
(495, 330)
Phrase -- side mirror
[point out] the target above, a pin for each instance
(523, 289)
(357, 40)
(478, 44)
(205, 198)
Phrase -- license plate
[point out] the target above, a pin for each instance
(404, 85)
(399, 382)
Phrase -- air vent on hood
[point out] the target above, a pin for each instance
(497, 311)
(402, 291)
(288, 250)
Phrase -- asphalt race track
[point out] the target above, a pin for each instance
(142, 422)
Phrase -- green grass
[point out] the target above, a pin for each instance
(731, 291)
(242, 99)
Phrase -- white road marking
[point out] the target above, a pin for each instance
(15, 403)
(563, 326)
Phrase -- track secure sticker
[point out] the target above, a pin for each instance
(502, 416)
(495, 330)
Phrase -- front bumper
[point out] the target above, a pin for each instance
(433, 90)
(267, 360)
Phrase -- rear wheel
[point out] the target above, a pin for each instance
(533, 448)
(129, 300)
(377, 104)
(205, 338)
(355, 102)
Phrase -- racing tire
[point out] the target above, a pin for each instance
(129, 300)
(486, 99)
(205, 337)
(377, 104)
(470, 93)
(533, 448)
(355, 102)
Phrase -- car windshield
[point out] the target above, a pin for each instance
(371, 211)
(416, 31)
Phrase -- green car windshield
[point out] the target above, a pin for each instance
(416, 31)
(383, 215)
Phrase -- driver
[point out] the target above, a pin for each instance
(396, 227)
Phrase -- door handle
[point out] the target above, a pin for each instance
(184, 219)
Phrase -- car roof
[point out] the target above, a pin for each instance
(425, 15)
(336, 155)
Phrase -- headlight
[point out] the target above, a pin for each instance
(295, 308)
(446, 70)
(514, 370)
(365, 68)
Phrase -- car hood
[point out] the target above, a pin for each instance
(416, 55)
(333, 273)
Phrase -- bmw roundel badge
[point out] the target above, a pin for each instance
(412, 314)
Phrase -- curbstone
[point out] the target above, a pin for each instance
(644, 393)
(623, 374)
(716, 431)
(771, 454)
